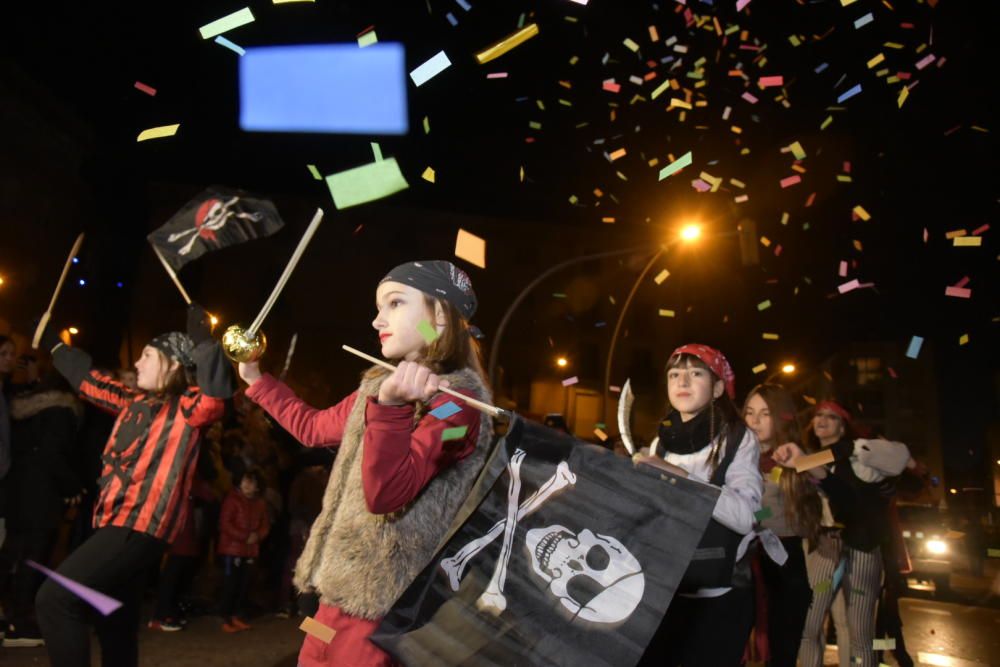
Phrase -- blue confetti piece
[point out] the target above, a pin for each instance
(821, 68)
(838, 574)
(237, 49)
(446, 410)
(464, 5)
(913, 351)
(849, 94)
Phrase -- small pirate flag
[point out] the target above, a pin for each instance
(564, 554)
(217, 218)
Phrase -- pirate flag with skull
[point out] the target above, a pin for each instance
(564, 554)
(217, 218)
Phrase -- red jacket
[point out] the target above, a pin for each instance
(241, 516)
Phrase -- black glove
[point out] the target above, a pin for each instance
(50, 337)
(199, 324)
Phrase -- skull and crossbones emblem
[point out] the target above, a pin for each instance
(211, 216)
(594, 577)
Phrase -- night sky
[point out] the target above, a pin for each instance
(926, 168)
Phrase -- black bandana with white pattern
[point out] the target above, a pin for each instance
(440, 279)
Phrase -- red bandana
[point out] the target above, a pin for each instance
(835, 408)
(715, 360)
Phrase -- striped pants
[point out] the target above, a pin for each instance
(853, 604)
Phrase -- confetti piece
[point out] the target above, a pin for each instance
(630, 45)
(740, 4)
(759, 368)
(568, 382)
(601, 435)
(776, 474)
(849, 286)
(96, 599)
(848, 95)
(321, 632)
(963, 339)
(427, 332)
(314, 171)
(810, 461)
(497, 75)
(769, 336)
(428, 175)
(366, 183)
(888, 644)
(864, 20)
(861, 213)
(913, 350)
(676, 165)
(967, 241)
(666, 313)
(661, 276)
(797, 151)
(749, 98)
(611, 86)
(507, 43)
(149, 90)
(959, 292)
(617, 154)
(430, 69)
(659, 89)
(925, 61)
(226, 23)
(993, 553)
(878, 58)
(822, 586)
(454, 433)
(158, 132)
(764, 305)
(235, 48)
(288, 2)
(770, 81)
(471, 248)
(446, 410)
(764, 512)
(367, 39)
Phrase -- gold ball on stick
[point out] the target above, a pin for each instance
(241, 347)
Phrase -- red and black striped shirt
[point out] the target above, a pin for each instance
(150, 458)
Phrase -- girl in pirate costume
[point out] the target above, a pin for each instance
(792, 510)
(859, 486)
(148, 466)
(709, 619)
(397, 483)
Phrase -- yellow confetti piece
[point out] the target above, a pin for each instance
(471, 248)
(967, 241)
(507, 43)
(955, 233)
(797, 151)
(630, 45)
(659, 89)
(759, 368)
(861, 213)
(776, 474)
(226, 23)
(766, 242)
(826, 123)
(876, 60)
(679, 103)
(764, 305)
(428, 175)
(666, 313)
(367, 39)
(769, 336)
(617, 154)
(858, 246)
(903, 94)
(158, 132)
(661, 276)
(963, 339)
(427, 125)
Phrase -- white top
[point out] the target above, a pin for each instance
(741, 491)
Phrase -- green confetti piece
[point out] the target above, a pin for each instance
(763, 513)
(428, 332)
(315, 172)
(367, 39)
(226, 23)
(454, 433)
(764, 305)
(823, 586)
(993, 553)
(377, 151)
(366, 183)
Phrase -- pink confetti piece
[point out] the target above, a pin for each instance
(99, 601)
(770, 81)
(749, 98)
(611, 86)
(925, 61)
(963, 282)
(149, 90)
(497, 75)
(842, 272)
(568, 382)
(740, 4)
(959, 292)
(892, 373)
(790, 181)
(777, 250)
(848, 286)
(700, 185)
(979, 230)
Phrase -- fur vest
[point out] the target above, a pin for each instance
(26, 406)
(362, 562)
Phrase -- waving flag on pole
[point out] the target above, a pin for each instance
(217, 218)
(564, 554)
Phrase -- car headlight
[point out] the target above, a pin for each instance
(936, 547)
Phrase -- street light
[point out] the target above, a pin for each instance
(691, 232)
(73, 331)
(788, 368)
(562, 362)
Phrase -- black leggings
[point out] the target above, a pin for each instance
(235, 573)
(114, 561)
(788, 600)
(703, 632)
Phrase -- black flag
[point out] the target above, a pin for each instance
(217, 218)
(583, 576)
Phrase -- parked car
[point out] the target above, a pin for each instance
(936, 549)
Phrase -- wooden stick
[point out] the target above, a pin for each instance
(286, 274)
(40, 329)
(483, 407)
(173, 275)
